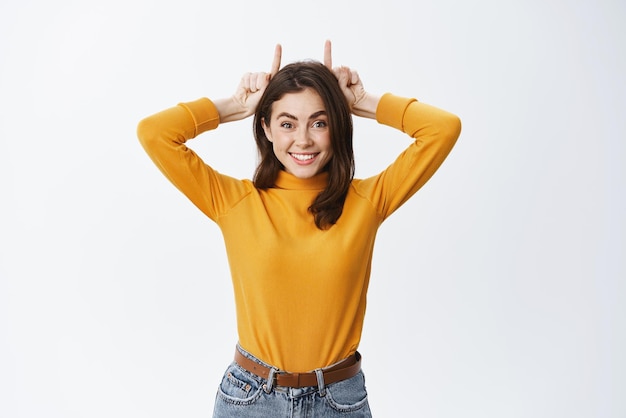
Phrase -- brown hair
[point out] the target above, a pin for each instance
(328, 205)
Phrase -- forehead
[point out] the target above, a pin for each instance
(301, 104)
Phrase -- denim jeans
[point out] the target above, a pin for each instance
(242, 394)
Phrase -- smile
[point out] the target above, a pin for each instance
(304, 157)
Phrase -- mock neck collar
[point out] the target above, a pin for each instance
(288, 181)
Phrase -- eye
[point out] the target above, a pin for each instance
(320, 124)
(286, 125)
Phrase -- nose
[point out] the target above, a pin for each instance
(302, 138)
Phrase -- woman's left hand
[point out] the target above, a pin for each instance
(360, 101)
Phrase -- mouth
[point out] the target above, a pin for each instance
(304, 158)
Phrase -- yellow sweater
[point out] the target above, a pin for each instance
(300, 292)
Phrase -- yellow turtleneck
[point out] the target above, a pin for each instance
(300, 292)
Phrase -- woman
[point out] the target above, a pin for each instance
(300, 236)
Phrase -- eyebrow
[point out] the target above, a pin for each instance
(290, 116)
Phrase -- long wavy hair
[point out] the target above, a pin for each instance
(296, 77)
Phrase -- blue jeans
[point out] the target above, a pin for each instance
(242, 394)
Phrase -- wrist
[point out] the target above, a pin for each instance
(366, 107)
(230, 110)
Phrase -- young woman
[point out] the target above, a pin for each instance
(300, 235)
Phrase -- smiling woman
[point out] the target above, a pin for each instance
(303, 231)
(320, 95)
(299, 133)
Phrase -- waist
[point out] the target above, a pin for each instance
(345, 369)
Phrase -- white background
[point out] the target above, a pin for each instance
(497, 291)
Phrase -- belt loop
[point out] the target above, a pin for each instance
(319, 373)
(271, 377)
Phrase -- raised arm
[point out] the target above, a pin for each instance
(433, 130)
(164, 136)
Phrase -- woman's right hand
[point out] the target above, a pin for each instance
(248, 94)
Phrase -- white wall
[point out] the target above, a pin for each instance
(501, 281)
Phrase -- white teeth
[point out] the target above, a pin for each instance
(303, 157)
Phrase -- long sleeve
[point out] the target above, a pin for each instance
(163, 136)
(434, 131)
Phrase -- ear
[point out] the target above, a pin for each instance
(267, 130)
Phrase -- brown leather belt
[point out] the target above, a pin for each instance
(345, 369)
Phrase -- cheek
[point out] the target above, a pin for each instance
(278, 143)
(326, 143)
(279, 149)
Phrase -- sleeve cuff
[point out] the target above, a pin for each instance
(204, 114)
(391, 108)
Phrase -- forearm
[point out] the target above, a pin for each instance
(367, 106)
(179, 123)
(164, 135)
(416, 119)
(230, 110)
(434, 131)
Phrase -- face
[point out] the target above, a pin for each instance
(299, 133)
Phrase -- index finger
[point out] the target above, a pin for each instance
(328, 57)
(278, 51)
